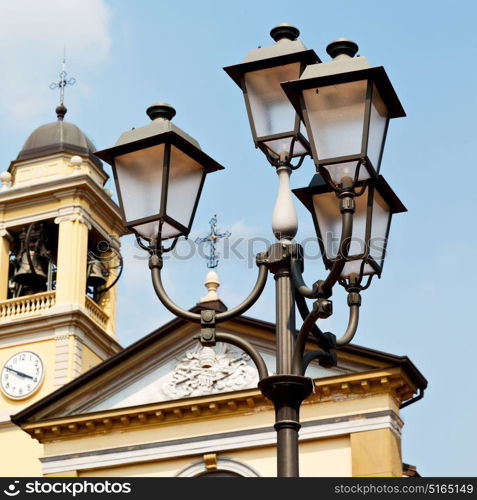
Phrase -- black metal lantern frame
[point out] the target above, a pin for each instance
(367, 189)
(169, 139)
(376, 79)
(237, 73)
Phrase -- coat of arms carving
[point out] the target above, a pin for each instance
(207, 370)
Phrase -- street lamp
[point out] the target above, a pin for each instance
(346, 106)
(275, 125)
(159, 172)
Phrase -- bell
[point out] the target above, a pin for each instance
(25, 276)
(97, 273)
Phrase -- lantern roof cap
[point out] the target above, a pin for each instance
(287, 49)
(159, 130)
(161, 115)
(343, 69)
(285, 43)
(340, 64)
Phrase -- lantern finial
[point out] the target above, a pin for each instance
(342, 46)
(284, 30)
(161, 110)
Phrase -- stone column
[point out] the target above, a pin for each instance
(72, 259)
(5, 241)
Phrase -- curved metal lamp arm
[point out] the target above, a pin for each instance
(248, 348)
(304, 312)
(251, 299)
(353, 321)
(299, 282)
(327, 359)
(300, 342)
(346, 233)
(322, 309)
(155, 264)
(323, 288)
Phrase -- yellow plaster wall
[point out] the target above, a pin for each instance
(4, 264)
(22, 209)
(328, 457)
(90, 358)
(319, 458)
(19, 454)
(376, 453)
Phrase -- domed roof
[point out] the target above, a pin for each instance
(56, 137)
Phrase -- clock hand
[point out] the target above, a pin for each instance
(19, 373)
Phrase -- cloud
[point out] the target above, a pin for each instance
(33, 35)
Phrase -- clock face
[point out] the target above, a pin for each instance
(22, 375)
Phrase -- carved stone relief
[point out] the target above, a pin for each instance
(208, 370)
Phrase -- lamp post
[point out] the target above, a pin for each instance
(345, 106)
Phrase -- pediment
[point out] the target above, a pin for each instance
(169, 365)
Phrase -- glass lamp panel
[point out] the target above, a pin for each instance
(185, 177)
(139, 175)
(150, 230)
(272, 112)
(336, 121)
(358, 237)
(354, 266)
(347, 169)
(377, 128)
(379, 228)
(283, 145)
(328, 215)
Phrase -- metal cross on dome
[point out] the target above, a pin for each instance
(211, 241)
(63, 82)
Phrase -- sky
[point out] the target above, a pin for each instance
(127, 55)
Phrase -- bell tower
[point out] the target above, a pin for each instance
(59, 263)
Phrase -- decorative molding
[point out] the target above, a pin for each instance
(199, 467)
(7, 425)
(77, 215)
(210, 461)
(17, 308)
(35, 197)
(4, 233)
(96, 313)
(61, 360)
(332, 389)
(220, 442)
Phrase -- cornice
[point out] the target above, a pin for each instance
(72, 318)
(37, 196)
(392, 381)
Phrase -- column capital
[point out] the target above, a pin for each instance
(4, 233)
(77, 215)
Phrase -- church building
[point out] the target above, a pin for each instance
(74, 403)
